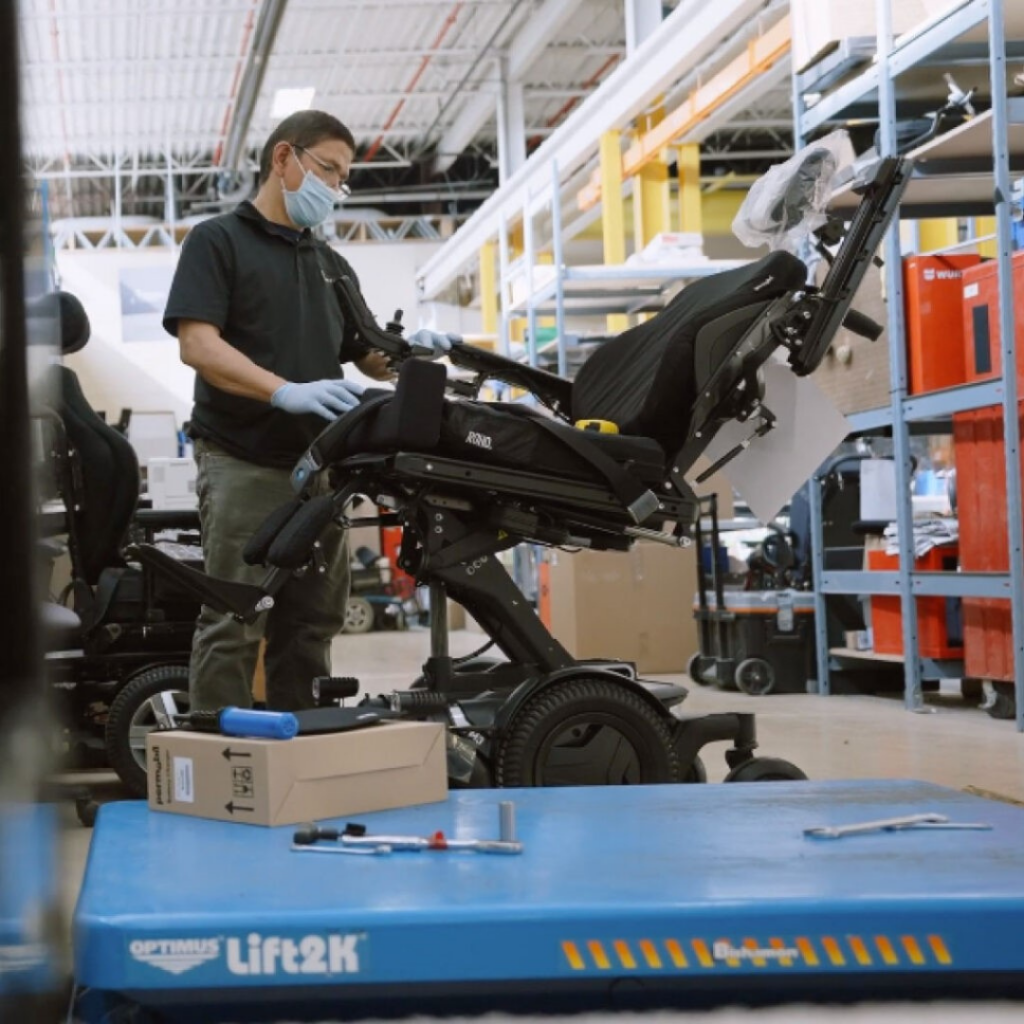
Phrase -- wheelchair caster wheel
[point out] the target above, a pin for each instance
(765, 769)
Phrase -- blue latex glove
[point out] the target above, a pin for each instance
(432, 345)
(327, 398)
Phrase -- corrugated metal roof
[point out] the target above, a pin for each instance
(107, 79)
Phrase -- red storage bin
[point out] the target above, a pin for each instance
(887, 619)
(981, 320)
(933, 299)
(981, 509)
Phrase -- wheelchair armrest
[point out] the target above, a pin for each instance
(154, 519)
(554, 391)
(551, 389)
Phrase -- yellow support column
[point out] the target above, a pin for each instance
(938, 233)
(650, 192)
(516, 327)
(489, 288)
(688, 164)
(986, 226)
(612, 218)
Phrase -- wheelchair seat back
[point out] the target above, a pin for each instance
(109, 481)
(646, 379)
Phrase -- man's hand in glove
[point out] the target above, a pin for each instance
(327, 398)
(432, 345)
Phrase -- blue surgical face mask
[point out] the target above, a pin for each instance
(311, 203)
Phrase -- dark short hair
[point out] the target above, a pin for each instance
(304, 128)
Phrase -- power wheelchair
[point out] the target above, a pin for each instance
(117, 639)
(468, 479)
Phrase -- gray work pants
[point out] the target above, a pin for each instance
(309, 611)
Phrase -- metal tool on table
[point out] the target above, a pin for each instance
(909, 822)
(353, 839)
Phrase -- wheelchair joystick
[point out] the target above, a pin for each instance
(394, 325)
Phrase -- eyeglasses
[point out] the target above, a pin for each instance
(342, 189)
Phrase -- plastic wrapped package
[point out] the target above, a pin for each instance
(787, 204)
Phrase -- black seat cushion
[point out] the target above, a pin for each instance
(644, 381)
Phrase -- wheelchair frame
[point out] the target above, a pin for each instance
(432, 495)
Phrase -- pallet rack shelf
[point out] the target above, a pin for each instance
(966, 172)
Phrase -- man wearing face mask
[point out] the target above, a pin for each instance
(256, 317)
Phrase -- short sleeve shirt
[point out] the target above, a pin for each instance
(267, 289)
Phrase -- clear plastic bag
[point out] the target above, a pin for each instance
(787, 204)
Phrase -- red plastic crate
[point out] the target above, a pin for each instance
(887, 618)
(983, 359)
(981, 509)
(933, 300)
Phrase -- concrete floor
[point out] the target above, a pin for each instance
(842, 737)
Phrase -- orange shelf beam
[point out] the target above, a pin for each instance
(761, 54)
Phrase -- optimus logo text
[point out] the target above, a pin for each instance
(256, 955)
(176, 956)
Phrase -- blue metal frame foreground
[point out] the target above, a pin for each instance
(670, 894)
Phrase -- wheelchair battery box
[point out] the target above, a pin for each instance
(285, 782)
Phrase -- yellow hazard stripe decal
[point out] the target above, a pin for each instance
(822, 951)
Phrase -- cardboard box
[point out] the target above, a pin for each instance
(284, 782)
(171, 483)
(632, 606)
(819, 25)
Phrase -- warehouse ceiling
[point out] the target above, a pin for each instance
(128, 102)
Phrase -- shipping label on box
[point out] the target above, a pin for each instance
(285, 782)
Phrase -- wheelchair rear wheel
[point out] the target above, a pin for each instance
(587, 732)
(147, 702)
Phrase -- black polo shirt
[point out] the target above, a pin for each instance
(264, 287)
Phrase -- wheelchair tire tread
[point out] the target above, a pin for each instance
(658, 755)
(129, 699)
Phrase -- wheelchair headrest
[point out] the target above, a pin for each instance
(74, 321)
(787, 203)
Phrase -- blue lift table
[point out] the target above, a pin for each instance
(668, 895)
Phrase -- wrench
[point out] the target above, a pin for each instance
(436, 842)
(910, 821)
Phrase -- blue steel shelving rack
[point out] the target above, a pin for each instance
(895, 58)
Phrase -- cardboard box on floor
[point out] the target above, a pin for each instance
(632, 606)
(284, 782)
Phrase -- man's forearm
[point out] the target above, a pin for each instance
(222, 365)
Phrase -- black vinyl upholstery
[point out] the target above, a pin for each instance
(643, 380)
